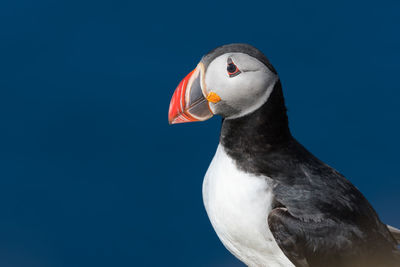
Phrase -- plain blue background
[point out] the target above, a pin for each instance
(91, 172)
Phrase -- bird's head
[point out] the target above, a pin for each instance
(232, 81)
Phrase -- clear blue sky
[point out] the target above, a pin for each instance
(91, 174)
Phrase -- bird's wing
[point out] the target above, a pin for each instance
(395, 233)
(326, 243)
(286, 232)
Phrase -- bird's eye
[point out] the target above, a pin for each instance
(232, 69)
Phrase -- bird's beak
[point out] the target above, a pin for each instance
(190, 100)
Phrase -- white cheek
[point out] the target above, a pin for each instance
(247, 87)
(218, 81)
(245, 92)
(253, 91)
(216, 76)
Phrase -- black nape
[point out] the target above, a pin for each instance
(264, 127)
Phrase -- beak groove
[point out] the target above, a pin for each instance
(188, 103)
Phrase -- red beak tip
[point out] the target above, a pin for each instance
(179, 109)
(171, 121)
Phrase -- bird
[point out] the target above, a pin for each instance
(270, 201)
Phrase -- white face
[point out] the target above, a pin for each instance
(242, 92)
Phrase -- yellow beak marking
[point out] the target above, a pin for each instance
(213, 97)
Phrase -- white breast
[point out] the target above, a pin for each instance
(238, 205)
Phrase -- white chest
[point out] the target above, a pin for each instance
(238, 205)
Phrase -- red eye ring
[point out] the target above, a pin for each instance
(232, 69)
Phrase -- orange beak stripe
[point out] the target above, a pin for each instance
(213, 97)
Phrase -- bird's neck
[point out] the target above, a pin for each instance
(261, 130)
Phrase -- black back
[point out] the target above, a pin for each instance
(326, 219)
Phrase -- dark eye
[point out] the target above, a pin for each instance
(232, 69)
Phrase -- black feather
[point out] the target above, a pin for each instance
(326, 221)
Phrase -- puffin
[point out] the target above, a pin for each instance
(270, 201)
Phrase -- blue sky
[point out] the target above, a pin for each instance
(91, 172)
